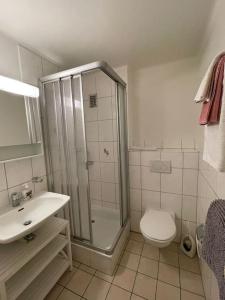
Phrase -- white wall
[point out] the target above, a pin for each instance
(162, 111)
(211, 182)
(175, 191)
(20, 63)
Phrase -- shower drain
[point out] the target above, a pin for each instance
(27, 222)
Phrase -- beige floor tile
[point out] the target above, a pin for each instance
(79, 282)
(87, 269)
(191, 282)
(65, 278)
(150, 252)
(135, 297)
(136, 237)
(130, 260)
(76, 263)
(174, 247)
(169, 274)
(169, 257)
(104, 276)
(97, 290)
(167, 292)
(116, 293)
(124, 278)
(68, 295)
(145, 286)
(189, 296)
(54, 293)
(189, 264)
(134, 247)
(148, 267)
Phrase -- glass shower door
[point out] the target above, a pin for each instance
(65, 149)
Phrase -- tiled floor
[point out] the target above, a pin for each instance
(144, 272)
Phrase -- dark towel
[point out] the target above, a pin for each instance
(213, 248)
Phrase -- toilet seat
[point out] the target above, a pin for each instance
(158, 226)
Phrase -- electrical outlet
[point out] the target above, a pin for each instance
(160, 166)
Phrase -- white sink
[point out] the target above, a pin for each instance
(33, 212)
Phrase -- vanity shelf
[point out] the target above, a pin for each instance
(27, 266)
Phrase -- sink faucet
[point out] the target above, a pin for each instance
(16, 198)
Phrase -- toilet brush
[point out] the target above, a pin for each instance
(188, 244)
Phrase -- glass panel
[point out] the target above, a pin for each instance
(121, 92)
(81, 153)
(100, 110)
(67, 172)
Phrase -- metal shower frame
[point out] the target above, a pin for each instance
(78, 71)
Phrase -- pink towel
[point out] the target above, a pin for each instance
(210, 113)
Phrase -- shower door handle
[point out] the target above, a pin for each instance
(89, 163)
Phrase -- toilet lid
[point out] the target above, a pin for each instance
(158, 225)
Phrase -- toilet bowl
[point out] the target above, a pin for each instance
(158, 227)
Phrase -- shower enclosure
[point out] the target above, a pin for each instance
(84, 130)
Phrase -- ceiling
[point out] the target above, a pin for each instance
(133, 32)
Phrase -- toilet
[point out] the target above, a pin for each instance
(158, 227)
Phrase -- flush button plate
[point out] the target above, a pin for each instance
(160, 166)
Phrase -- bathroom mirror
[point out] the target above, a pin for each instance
(19, 120)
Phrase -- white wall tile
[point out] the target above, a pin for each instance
(93, 149)
(150, 199)
(92, 131)
(105, 108)
(115, 147)
(176, 158)
(135, 177)
(105, 130)
(135, 218)
(114, 107)
(38, 166)
(107, 152)
(115, 130)
(147, 156)
(191, 160)
(3, 184)
(18, 172)
(41, 186)
(150, 181)
(172, 202)
(108, 172)
(189, 208)
(172, 183)
(178, 227)
(108, 192)
(4, 199)
(94, 171)
(134, 158)
(91, 113)
(135, 199)
(190, 182)
(188, 227)
(95, 190)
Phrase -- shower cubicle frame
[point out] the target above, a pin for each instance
(78, 71)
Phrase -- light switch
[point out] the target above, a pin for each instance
(160, 166)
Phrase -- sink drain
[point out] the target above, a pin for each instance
(27, 222)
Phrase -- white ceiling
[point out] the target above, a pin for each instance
(135, 32)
